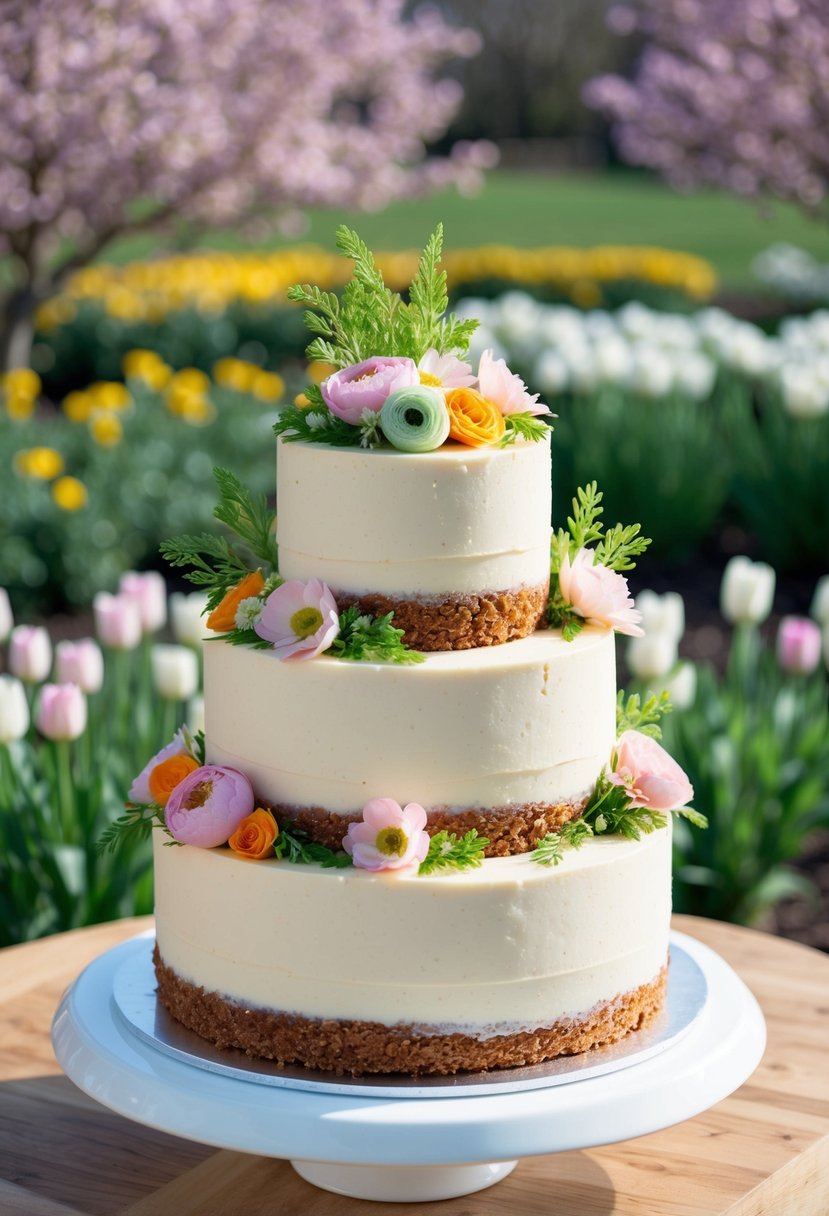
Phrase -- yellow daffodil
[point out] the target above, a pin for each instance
(106, 429)
(69, 493)
(22, 381)
(19, 406)
(40, 463)
(78, 406)
(268, 386)
(110, 395)
(147, 366)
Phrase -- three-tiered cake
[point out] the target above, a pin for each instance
(399, 916)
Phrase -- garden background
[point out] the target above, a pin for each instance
(634, 206)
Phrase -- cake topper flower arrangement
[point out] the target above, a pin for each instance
(402, 379)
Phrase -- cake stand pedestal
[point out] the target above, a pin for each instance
(420, 1144)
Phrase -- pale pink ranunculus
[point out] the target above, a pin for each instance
(80, 663)
(30, 653)
(798, 645)
(598, 594)
(180, 745)
(61, 712)
(300, 619)
(444, 371)
(149, 591)
(366, 385)
(117, 620)
(206, 808)
(389, 837)
(652, 778)
(505, 389)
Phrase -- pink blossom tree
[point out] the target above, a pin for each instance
(732, 93)
(121, 115)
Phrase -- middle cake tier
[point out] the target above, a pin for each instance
(509, 739)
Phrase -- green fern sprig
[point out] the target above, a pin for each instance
(632, 714)
(447, 851)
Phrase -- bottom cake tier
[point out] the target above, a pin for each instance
(509, 964)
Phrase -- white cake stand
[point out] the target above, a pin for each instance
(412, 1140)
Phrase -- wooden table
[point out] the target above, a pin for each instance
(762, 1152)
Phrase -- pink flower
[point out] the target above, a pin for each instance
(206, 808)
(652, 778)
(181, 745)
(149, 592)
(301, 619)
(80, 663)
(365, 386)
(598, 593)
(117, 620)
(30, 653)
(444, 371)
(389, 837)
(506, 390)
(798, 645)
(61, 713)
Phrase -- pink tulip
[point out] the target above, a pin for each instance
(117, 620)
(598, 594)
(652, 778)
(30, 653)
(366, 385)
(61, 713)
(798, 645)
(80, 663)
(389, 837)
(301, 619)
(504, 389)
(149, 592)
(206, 808)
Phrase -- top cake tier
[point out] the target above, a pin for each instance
(455, 542)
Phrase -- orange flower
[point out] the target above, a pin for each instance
(473, 419)
(168, 774)
(255, 835)
(223, 617)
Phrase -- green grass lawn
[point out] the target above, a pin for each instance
(562, 209)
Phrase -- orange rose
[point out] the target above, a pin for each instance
(223, 617)
(473, 419)
(255, 835)
(168, 774)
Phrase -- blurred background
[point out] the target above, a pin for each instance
(634, 201)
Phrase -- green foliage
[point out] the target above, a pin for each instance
(370, 320)
(293, 845)
(526, 426)
(755, 745)
(370, 639)
(316, 425)
(217, 566)
(572, 835)
(131, 828)
(634, 713)
(447, 851)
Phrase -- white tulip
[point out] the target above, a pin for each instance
(186, 612)
(30, 653)
(746, 591)
(614, 359)
(14, 710)
(748, 349)
(175, 672)
(635, 319)
(653, 371)
(681, 685)
(6, 615)
(695, 375)
(551, 373)
(820, 601)
(195, 713)
(651, 656)
(804, 395)
(662, 613)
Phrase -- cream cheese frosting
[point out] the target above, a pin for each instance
(511, 945)
(458, 520)
(529, 721)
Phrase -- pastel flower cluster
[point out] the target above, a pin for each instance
(300, 620)
(204, 805)
(650, 777)
(440, 397)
